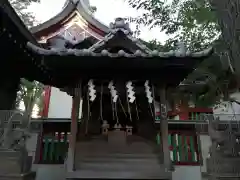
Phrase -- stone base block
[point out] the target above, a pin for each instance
(223, 168)
(27, 176)
(15, 165)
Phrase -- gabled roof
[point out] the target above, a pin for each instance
(119, 56)
(120, 35)
(69, 11)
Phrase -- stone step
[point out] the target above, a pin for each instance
(118, 159)
(119, 166)
(105, 147)
(93, 174)
(117, 156)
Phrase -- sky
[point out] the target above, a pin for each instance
(107, 11)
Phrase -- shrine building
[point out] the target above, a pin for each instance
(107, 109)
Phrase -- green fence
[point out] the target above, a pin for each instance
(53, 148)
(184, 149)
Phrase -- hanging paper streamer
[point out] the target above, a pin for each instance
(130, 92)
(113, 91)
(148, 92)
(92, 91)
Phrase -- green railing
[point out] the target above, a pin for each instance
(184, 149)
(54, 148)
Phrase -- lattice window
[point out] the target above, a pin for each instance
(74, 33)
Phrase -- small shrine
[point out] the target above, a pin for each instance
(116, 83)
(121, 73)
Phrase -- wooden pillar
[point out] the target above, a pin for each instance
(74, 123)
(164, 129)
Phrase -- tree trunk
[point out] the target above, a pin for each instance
(228, 13)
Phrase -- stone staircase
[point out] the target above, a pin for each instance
(115, 158)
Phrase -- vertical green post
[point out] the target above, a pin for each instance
(199, 149)
(158, 139)
(175, 159)
(170, 145)
(185, 149)
(192, 115)
(57, 146)
(192, 149)
(180, 146)
(52, 148)
(45, 148)
(197, 115)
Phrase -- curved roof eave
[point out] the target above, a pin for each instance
(8, 9)
(86, 14)
(56, 19)
(68, 10)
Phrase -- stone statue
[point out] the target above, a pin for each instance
(14, 155)
(13, 138)
(224, 156)
(223, 141)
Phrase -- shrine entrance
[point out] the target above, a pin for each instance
(117, 157)
(117, 133)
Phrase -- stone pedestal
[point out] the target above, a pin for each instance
(15, 165)
(223, 168)
(224, 160)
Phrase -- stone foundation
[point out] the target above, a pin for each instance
(223, 168)
(15, 166)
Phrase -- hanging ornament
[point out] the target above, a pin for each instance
(148, 92)
(92, 91)
(113, 91)
(130, 92)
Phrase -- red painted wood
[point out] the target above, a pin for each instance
(187, 163)
(46, 101)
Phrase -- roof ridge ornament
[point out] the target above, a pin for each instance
(120, 23)
(181, 49)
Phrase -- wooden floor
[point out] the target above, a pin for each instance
(117, 159)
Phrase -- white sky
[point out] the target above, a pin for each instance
(107, 11)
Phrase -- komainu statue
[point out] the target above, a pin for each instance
(224, 158)
(13, 153)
